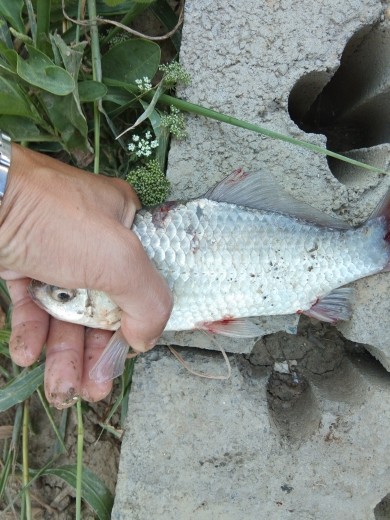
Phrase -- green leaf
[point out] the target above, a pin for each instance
(65, 112)
(93, 490)
(149, 107)
(13, 101)
(131, 60)
(165, 14)
(113, 7)
(71, 56)
(11, 10)
(5, 35)
(90, 90)
(40, 71)
(67, 118)
(9, 59)
(23, 129)
(117, 100)
(21, 387)
(113, 3)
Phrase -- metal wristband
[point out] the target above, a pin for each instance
(5, 161)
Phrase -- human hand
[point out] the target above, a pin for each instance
(70, 228)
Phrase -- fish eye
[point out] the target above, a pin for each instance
(62, 295)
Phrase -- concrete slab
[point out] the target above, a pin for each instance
(264, 444)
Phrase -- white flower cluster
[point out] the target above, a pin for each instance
(144, 84)
(143, 146)
(174, 73)
(175, 122)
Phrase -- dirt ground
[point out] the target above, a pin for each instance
(51, 497)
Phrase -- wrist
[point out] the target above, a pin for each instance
(5, 162)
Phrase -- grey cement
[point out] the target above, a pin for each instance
(300, 430)
(313, 446)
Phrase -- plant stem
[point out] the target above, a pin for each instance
(79, 9)
(31, 19)
(79, 464)
(186, 106)
(26, 477)
(43, 25)
(97, 76)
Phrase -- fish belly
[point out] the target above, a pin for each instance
(223, 261)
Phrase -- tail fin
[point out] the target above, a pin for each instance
(383, 210)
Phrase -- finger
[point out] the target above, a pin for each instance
(95, 342)
(29, 324)
(64, 363)
(131, 201)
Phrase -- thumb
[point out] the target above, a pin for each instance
(142, 294)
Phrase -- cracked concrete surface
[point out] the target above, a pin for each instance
(263, 444)
(300, 430)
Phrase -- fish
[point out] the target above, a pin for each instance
(246, 248)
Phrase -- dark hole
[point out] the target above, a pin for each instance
(352, 108)
(382, 509)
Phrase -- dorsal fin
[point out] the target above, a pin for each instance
(383, 208)
(260, 191)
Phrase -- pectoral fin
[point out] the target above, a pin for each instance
(112, 361)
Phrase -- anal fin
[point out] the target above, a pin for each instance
(335, 306)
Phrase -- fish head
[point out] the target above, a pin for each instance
(82, 306)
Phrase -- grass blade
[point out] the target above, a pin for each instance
(97, 76)
(11, 454)
(60, 446)
(79, 465)
(21, 387)
(127, 380)
(165, 14)
(5, 300)
(123, 397)
(25, 470)
(5, 335)
(186, 106)
(93, 491)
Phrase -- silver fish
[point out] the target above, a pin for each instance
(247, 248)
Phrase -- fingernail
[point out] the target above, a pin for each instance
(145, 346)
(153, 343)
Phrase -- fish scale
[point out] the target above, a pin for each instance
(222, 260)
